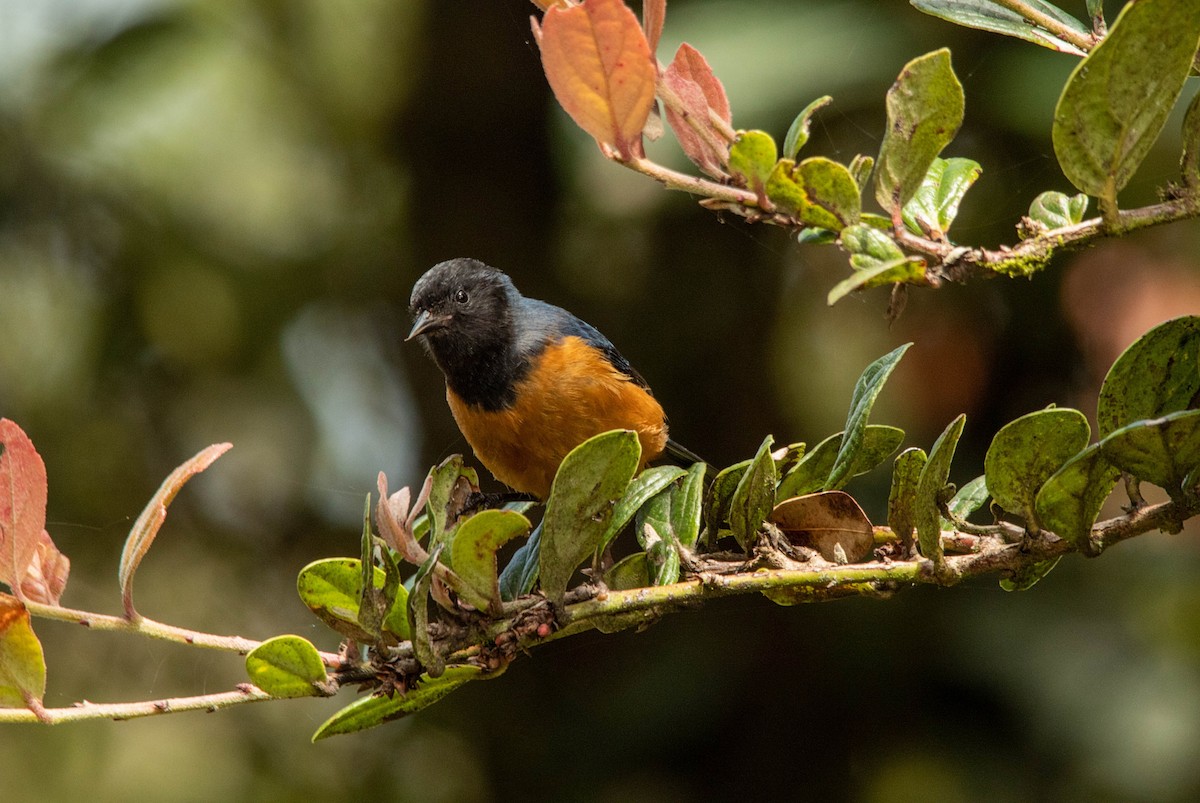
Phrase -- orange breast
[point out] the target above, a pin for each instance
(572, 394)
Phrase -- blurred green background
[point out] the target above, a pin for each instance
(211, 214)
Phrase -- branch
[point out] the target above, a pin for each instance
(157, 630)
(610, 611)
(245, 693)
(958, 263)
(1046, 22)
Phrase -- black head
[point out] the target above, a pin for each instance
(463, 299)
(463, 313)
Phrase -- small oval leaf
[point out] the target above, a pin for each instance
(1156, 375)
(287, 666)
(1028, 451)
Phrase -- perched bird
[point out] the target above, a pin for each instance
(527, 381)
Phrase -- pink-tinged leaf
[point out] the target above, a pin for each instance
(395, 518)
(599, 65)
(546, 5)
(22, 503)
(46, 578)
(654, 13)
(145, 529)
(701, 96)
(22, 665)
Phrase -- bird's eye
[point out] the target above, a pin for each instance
(460, 296)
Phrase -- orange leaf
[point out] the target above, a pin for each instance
(600, 67)
(22, 503)
(701, 94)
(654, 13)
(145, 529)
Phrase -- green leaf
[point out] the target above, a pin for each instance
(720, 494)
(869, 247)
(592, 477)
(1095, 8)
(833, 195)
(970, 497)
(1119, 96)
(687, 506)
(866, 391)
(657, 514)
(418, 614)
(818, 192)
(797, 134)
(815, 235)
(662, 561)
(934, 206)
(22, 664)
(924, 111)
(1027, 577)
(287, 666)
(1070, 500)
(367, 712)
(1189, 163)
(631, 571)
(1163, 451)
(372, 607)
(1027, 452)
(1056, 210)
(934, 477)
(1158, 374)
(644, 486)
(908, 269)
(861, 167)
(906, 473)
(812, 472)
(752, 157)
(987, 15)
(473, 553)
(447, 494)
(521, 572)
(332, 588)
(754, 496)
(396, 620)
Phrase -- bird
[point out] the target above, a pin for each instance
(527, 381)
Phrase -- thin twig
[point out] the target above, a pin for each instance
(245, 693)
(1084, 42)
(156, 630)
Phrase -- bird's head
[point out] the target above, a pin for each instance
(462, 305)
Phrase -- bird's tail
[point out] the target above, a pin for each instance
(681, 455)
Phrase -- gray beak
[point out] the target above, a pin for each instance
(424, 322)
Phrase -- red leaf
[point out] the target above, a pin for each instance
(654, 12)
(47, 575)
(22, 503)
(600, 67)
(701, 95)
(145, 529)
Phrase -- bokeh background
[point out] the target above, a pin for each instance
(211, 214)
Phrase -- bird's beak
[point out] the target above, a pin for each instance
(424, 322)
